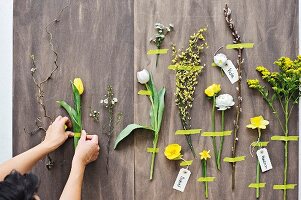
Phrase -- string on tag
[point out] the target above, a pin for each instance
(252, 147)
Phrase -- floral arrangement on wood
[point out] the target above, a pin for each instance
(156, 114)
(258, 123)
(284, 88)
(187, 64)
(75, 113)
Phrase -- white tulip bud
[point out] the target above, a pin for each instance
(220, 59)
(143, 76)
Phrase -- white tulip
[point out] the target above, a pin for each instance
(220, 59)
(143, 76)
(224, 101)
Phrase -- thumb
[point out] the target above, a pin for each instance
(83, 135)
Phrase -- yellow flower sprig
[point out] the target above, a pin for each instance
(204, 155)
(187, 79)
(258, 123)
(284, 88)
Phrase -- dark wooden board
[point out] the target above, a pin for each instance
(106, 42)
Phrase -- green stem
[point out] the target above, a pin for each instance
(258, 167)
(286, 147)
(257, 179)
(213, 129)
(222, 141)
(153, 156)
(205, 175)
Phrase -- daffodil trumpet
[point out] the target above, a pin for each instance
(284, 88)
(156, 115)
(258, 123)
(75, 113)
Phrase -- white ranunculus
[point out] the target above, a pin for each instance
(220, 59)
(143, 76)
(224, 101)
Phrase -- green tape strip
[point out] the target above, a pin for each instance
(215, 134)
(183, 67)
(152, 150)
(188, 132)
(236, 159)
(157, 51)
(257, 185)
(145, 92)
(206, 179)
(186, 163)
(65, 127)
(214, 65)
(240, 45)
(284, 187)
(77, 135)
(260, 144)
(285, 138)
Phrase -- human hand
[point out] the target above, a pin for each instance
(87, 149)
(56, 134)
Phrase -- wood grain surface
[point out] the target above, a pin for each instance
(105, 42)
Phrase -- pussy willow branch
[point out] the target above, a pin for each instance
(39, 85)
(236, 40)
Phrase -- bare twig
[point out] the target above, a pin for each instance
(236, 40)
(40, 84)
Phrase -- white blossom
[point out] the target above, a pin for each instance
(220, 60)
(143, 76)
(115, 99)
(224, 101)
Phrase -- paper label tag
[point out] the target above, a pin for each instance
(182, 180)
(231, 71)
(264, 159)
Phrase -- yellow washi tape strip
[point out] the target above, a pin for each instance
(77, 135)
(186, 163)
(157, 51)
(184, 67)
(240, 45)
(285, 138)
(188, 132)
(152, 150)
(206, 179)
(215, 134)
(257, 185)
(236, 159)
(284, 187)
(260, 144)
(145, 92)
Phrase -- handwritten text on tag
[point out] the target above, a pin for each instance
(231, 71)
(264, 159)
(182, 180)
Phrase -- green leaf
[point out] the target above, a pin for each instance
(161, 95)
(72, 113)
(154, 100)
(76, 99)
(127, 131)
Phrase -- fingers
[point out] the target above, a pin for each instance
(70, 134)
(94, 139)
(58, 118)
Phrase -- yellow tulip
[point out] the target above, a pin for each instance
(258, 122)
(79, 85)
(173, 152)
(205, 154)
(212, 90)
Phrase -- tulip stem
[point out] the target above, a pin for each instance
(222, 141)
(153, 156)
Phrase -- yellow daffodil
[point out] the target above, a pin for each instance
(258, 122)
(212, 90)
(173, 152)
(205, 154)
(79, 85)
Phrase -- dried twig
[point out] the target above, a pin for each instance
(40, 84)
(236, 40)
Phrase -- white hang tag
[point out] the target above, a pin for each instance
(182, 179)
(264, 159)
(231, 71)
